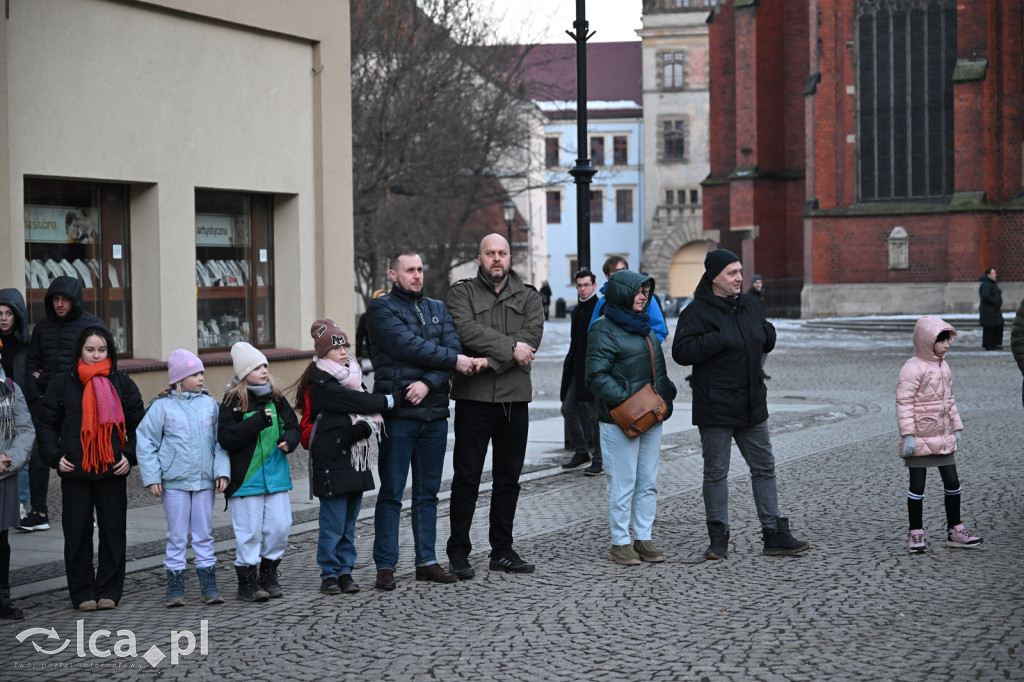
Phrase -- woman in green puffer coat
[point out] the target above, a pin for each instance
(619, 363)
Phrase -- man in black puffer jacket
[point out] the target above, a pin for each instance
(414, 347)
(51, 351)
(723, 334)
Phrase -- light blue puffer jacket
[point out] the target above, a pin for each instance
(177, 443)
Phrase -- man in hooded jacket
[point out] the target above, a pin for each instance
(723, 334)
(51, 351)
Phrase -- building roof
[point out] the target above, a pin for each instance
(614, 75)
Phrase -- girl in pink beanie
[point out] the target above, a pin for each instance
(181, 463)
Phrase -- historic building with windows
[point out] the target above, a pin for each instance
(675, 99)
(614, 145)
(189, 161)
(866, 155)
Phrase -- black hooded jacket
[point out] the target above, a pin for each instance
(724, 338)
(15, 350)
(52, 348)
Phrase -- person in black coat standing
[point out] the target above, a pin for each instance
(578, 407)
(723, 334)
(990, 311)
(51, 352)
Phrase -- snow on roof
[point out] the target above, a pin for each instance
(563, 105)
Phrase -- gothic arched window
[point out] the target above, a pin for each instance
(906, 52)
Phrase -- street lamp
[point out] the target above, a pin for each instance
(508, 209)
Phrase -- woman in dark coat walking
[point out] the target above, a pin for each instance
(990, 311)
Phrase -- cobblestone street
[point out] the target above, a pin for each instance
(856, 606)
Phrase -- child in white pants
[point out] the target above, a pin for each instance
(258, 428)
(181, 462)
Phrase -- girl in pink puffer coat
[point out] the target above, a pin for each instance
(930, 429)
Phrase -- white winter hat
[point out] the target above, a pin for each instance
(245, 359)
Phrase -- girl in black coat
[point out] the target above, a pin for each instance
(347, 428)
(86, 430)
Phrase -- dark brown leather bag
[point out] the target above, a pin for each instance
(643, 409)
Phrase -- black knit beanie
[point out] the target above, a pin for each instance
(716, 261)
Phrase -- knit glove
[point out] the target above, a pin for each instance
(909, 446)
(956, 434)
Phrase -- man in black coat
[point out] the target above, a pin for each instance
(723, 334)
(578, 408)
(51, 351)
(990, 311)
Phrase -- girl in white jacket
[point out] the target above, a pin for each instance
(930, 429)
(181, 462)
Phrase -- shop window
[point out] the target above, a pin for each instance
(620, 150)
(551, 152)
(554, 199)
(597, 151)
(234, 269)
(80, 229)
(596, 206)
(623, 205)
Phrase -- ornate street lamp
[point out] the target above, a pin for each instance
(582, 172)
(508, 209)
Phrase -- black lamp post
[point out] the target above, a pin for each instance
(508, 209)
(582, 172)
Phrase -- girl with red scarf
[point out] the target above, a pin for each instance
(86, 431)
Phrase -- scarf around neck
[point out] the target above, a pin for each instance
(101, 414)
(632, 321)
(350, 375)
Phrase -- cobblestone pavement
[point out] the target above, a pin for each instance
(856, 606)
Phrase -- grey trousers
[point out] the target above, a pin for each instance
(756, 448)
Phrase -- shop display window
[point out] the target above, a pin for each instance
(234, 269)
(80, 229)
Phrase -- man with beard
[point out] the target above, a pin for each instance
(414, 348)
(500, 319)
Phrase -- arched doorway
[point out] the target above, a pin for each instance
(686, 269)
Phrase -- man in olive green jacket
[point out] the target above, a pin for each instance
(501, 320)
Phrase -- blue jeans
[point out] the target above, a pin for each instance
(756, 448)
(421, 445)
(24, 496)
(336, 546)
(631, 474)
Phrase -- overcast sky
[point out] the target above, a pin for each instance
(546, 21)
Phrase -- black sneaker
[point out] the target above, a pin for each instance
(594, 469)
(347, 584)
(510, 562)
(461, 567)
(34, 521)
(330, 586)
(578, 460)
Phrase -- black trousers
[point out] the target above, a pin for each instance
(505, 426)
(109, 498)
(992, 336)
(38, 481)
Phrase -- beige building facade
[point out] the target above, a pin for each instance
(675, 101)
(190, 162)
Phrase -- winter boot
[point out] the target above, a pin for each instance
(268, 577)
(248, 587)
(8, 611)
(780, 541)
(719, 547)
(208, 592)
(175, 588)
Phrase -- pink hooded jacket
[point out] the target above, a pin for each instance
(925, 408)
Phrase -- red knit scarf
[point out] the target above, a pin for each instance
(101, 412)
